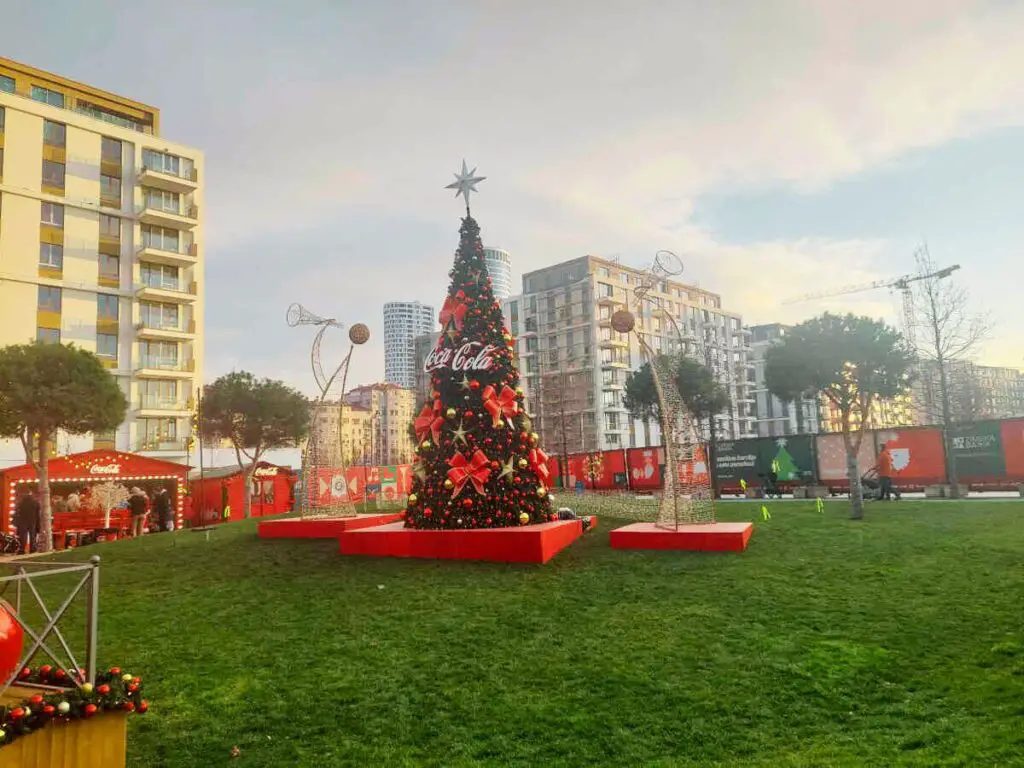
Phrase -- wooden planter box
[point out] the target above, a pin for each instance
(100, 742)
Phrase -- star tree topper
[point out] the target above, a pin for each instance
(465, 183)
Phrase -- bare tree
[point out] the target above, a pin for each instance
(946, 335)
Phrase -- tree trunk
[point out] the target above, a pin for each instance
(247, 491)
(45, 510)
(647, 432)
(853, 475)
(947, 443)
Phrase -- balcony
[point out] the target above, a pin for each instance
(609, 301)
(182, 182)
(616, 343)
(168, 290)
(176, 445)
(185, 217)
(183, 256)
(615, 362)
(616, 385)
(169, 331)
(164, 368)
(162, 407)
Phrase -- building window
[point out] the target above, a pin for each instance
(6, 84)
(49, 299)
(162, 200)
(54, 134)
(160, 276)
(106, 345)
(164, 163)
(106, 307)
(46, 96)
(110, 188)
(52, 214)
(161, 239)
(159, 354)
(53, 174)
(155, 394)
(110, 226)
(155, 315)
(110, 267)
(48, 335)
(110, 150)
(51, 255)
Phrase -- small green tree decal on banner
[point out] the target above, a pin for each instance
(783, 464)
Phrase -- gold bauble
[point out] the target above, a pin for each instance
(534, 437)
(523, 463)
(450, 413)
(413, 498)
(520, 391)
(359, 334)
(623, 321)
(542, 491)
(523, 518)
(425, 444)
(448, 483)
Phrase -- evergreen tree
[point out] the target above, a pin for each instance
(479, 464)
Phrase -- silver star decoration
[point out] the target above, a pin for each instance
(464, 384)
(461, 432)
(506, 470)
(452, 334)
(465, 183)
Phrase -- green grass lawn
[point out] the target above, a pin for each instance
(898, 640)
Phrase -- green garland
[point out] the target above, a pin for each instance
(114, 691)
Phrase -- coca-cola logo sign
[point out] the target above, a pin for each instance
(472, 356)
(105, 469)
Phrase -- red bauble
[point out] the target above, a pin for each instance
(474, 384)
(523, 436)
(17, 713)
(45, 670)
(113, 670)
(36, 700)
(467, 503)
(469, 414)
(488, 521)
(428, 512)
(90, 710)
(128, 706)
(12, 640)
(495, 465)
(103, 690)
(49, 709)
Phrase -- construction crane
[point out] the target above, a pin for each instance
(902, 284)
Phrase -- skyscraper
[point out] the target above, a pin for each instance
(101, 246)
(403, 322)
(499, 268)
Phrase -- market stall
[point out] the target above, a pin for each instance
(220, 488)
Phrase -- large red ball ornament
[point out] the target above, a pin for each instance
(428, 512)
(474, 384)
(12, 640)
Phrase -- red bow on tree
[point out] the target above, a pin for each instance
(453, 309)
(476, 470)
(429, 422)
(539, 461)
(500, 404)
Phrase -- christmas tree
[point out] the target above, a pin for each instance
(479, 464)
(783, 464)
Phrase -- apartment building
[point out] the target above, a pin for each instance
(573, 365)
(772, 415)
(340, 435)
(499, 269)
(100, 246)
(391, 412)
(403, 322)
(975, 392)
(421, 347)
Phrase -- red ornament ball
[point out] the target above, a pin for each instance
(49, 709)
(129, 706)
(103, 690)
(90, 710)
(467, 502)
(45, 670)
(428, 512)
(113, 670)
(36, 700)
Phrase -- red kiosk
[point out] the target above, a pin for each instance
(75, 473)
(220, 488)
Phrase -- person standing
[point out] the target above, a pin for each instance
(26, 521)
(884, 466)
(162, 510)
(137, 502)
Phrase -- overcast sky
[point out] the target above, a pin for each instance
(779, 147)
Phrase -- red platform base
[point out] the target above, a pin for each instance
(710, 537)
(320, 527)
(529, 544)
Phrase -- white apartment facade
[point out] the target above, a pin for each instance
(774, 417)
(573, 365)
(100, 246)
(499, 269)
(403, 322)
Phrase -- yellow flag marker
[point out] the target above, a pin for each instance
(765, 514)
(743, 485)
(820, 504)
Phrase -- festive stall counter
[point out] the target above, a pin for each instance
(220, 488)
(74, 475)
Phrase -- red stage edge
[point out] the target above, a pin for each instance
(528, 544)
(320, 527)
(709, 537)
